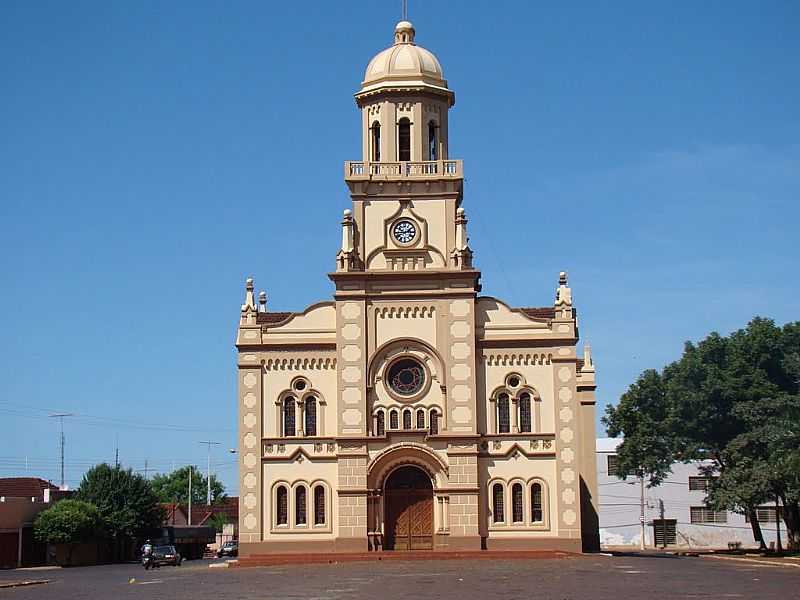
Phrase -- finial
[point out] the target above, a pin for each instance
(562, 278)
(262, 300)
(563, 294)
(347, 212)
(588, 363)
(249, 305)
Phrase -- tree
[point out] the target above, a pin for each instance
(218, 521)
(174, 487)
(126, 503)
(68, 522)
(731, 401)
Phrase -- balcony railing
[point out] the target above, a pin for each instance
(411, 169)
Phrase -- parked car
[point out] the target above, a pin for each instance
(166, 555)
(228, 549)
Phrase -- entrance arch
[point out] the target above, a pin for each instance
(408, 498)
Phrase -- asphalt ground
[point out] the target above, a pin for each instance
(595, 577)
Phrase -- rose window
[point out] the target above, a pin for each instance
(406, 377)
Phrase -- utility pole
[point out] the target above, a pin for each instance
(190, 494)
(60, 417)
(778, 523)
(208, 469)
(663, 524)
(641, 509)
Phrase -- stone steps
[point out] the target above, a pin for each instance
(265, 560)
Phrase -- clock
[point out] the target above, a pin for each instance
(404, 231)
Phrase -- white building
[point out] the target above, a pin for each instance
(688, 522)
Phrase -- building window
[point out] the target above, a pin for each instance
(420, 419)
(300, 506)
(703, 514)
(319, 505)
(434, 429)
(516, 503)
(282, 506)
(537, 503)
(525, 413)
(612, 460)
(700, 484)
(433, 142)
(376, 141)
(288, 416)
(404, 139)
(406, 377)
(765, 514)
(503, 424)
(393, 420)
(407, 419)
(497, 504)
(311, 416)
(380, 424)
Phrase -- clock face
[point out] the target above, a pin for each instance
(404, 231)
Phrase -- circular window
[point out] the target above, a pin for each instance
(299, 385)
(513, 381)
(406, 377)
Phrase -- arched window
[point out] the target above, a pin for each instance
(433, 142)
(420, 419)
(319, 505)
(434, 428)
(311, 416)
(288, 416)
(537, 503)
(282, 506)
(503, 424)
(404, 139)
(497, 503)
(375, 140)
(380, 423)
(407, 419)
(525, 412)
(516, 503)
(300, 506)
(393, 422)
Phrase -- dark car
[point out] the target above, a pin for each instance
(228, 549)
(166, 555)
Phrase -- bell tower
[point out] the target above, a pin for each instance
(406, 190)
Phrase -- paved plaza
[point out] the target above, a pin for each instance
(595, 577)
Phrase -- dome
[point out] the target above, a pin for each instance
(404, 63)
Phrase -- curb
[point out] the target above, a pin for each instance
(755, 561)
(13, 584)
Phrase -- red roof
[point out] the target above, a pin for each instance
(25, 487)
(201, 513)
(273, 317)
(540, 312)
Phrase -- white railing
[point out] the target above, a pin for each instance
(411, 169)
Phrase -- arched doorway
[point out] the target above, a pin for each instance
(409, 510)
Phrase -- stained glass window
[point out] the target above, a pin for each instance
(311, 416)
(319, 505)
(434, 423)
(516, 503)
(406, 377)
(537, 508)
(282, 509)
(380, 424)
(497, 494)
(525, 412)
(288, 416)
(300, 506)
(503, 425)
(420, 419)
(407, 419)
(393, 420)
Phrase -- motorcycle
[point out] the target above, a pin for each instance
(149, 562)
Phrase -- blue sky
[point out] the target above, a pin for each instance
(153, 155)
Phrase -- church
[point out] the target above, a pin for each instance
(410, 412)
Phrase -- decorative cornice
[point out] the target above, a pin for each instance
(404, 312)
(514, 358)
(297, 363)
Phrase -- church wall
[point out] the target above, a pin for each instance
(277, 384)
(535, 377)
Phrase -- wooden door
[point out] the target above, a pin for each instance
(409, 514)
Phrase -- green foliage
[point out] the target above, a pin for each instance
(68, 522)
(218, 521)
(174, 487)
(732, 401)
(124, 499)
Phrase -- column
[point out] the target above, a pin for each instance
(514, 408)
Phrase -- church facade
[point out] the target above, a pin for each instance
(410, 412)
